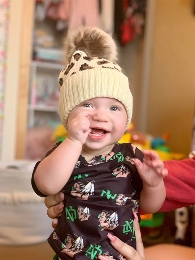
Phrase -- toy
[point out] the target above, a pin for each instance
(182, 224)
(59, 134)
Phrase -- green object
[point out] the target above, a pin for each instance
(163, 148)
(61, 139)
(155, 221)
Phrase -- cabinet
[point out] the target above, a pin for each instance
(43, 94)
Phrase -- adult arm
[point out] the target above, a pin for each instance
(180, 184)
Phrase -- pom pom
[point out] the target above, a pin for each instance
(93, 41)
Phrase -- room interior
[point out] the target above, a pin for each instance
(160, 65)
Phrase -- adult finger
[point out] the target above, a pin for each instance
(52, 200)
(125, 250)
(55, 211)
(54, 223)
(54, 204)
(139, 243)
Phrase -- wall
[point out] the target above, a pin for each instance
(171, 97)
(131, 60)
(11, 84)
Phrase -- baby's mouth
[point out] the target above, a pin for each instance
(97, 134)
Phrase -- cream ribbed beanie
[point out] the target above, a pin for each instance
(88, 76)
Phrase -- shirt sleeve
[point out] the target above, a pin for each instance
(34, 186)
(180, 184)
(136, 180)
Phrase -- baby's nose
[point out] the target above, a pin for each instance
(100, 116)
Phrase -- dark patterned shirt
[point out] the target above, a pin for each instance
(99, 198)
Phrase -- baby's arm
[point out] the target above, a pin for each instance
(54, 171)
(152, 172)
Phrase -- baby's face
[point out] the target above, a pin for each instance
(108, 120)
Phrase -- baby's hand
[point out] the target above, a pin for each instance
(79, 127)
(152, 170)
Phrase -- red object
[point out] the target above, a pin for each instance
(127, 31)
(180, 184)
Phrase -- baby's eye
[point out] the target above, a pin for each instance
(114, 108)
(87, 105)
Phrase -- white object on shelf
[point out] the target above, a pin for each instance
(50, 54)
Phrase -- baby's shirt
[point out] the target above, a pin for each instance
(99, 198)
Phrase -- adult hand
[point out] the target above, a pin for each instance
(125, 250)
(54, 204)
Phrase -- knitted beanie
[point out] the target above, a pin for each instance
(91, 72)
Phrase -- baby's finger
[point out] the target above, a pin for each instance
(87, 114)
(138, 164)
(151, 153)
(164, 172)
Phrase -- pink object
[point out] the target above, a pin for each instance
(84, 12)
(59, 10)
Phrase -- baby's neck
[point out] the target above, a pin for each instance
(90, 154)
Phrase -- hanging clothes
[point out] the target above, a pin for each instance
(59, 10)
(41, 9)
(129, 19)
(138, 15)
(127, 30)
(84, 12)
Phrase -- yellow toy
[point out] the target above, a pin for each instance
(59, 134)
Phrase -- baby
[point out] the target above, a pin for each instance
(104, 182)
